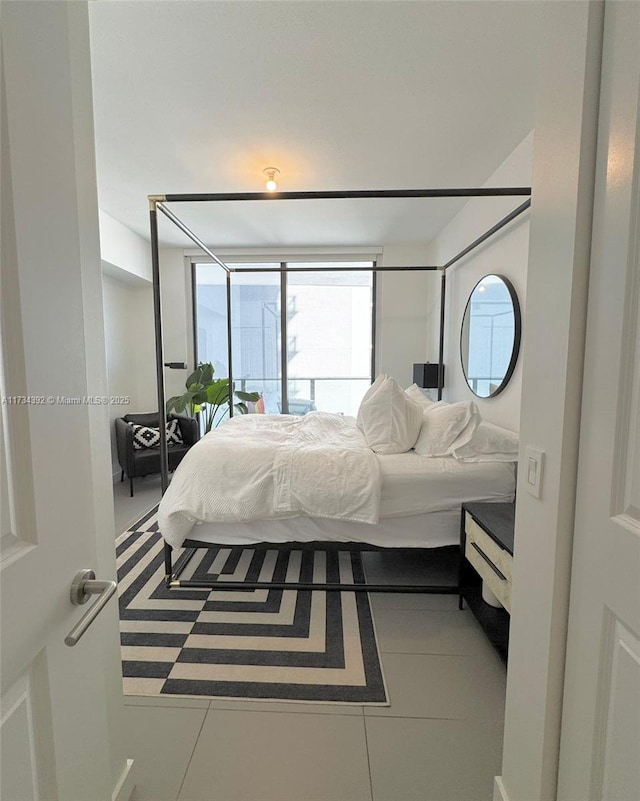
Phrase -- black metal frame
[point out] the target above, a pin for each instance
(173, 581)
(172, 573)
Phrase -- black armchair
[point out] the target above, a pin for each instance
(147, 460)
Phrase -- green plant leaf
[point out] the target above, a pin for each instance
(199, 397)
(203, 394)
(250, 397)
(241, 408)
(206, 371)
(180, 405)
(194, 378)
(218, 391)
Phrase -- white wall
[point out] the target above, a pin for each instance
(145, 349)
(505, 253)
(120, 354)
(564, 163)
(130, 352)
(123, 249)
(128, 314)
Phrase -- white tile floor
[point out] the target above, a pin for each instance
(147, 493)
(439, 740)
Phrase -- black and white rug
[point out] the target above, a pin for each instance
(282, 645)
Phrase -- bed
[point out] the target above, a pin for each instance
(281, 481)
(404, 525)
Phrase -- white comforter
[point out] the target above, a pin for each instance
(261, 467)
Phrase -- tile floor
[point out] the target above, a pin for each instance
(147, 493)
(439, 740)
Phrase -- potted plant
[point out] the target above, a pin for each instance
(209, 395)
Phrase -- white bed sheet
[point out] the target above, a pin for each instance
(432, 530)
(414, 484)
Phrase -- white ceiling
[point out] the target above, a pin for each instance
(200, 96)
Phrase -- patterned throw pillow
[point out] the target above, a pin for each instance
(146, 437)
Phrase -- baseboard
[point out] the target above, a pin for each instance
(125, 786)
(499, 793)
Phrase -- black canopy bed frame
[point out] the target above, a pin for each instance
(159, 203)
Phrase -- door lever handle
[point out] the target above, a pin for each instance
(83, 587)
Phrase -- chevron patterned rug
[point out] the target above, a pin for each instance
(280, 645)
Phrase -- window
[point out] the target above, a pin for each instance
(329, 338)
(326, 333)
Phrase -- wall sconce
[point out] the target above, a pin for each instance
(271, 173)
(426, 375)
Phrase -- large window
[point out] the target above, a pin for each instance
(325, 334)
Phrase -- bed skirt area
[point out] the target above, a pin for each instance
(432, 530)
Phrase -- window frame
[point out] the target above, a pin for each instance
(287, 257)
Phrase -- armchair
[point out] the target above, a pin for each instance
(147, 460)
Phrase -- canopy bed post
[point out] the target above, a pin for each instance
(284, 364)
(194, 314)
(374, 310)
(229, 343)
(443, 295)
(157, 316)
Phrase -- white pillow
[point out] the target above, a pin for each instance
(388, 418)
(490, 443)
(367, 397)
(417, 395)
(446, 427)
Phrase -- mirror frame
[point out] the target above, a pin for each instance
(517, 334)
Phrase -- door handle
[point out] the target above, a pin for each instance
(83, 587)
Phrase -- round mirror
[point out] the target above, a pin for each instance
(490, 336)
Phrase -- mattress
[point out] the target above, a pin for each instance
(415, 485)
(419, 508)
(431, 530)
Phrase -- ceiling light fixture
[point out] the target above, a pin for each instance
(271, 173)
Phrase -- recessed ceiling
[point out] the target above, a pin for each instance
(194, 96)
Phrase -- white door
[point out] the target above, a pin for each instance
(600, 741)
(58, 703)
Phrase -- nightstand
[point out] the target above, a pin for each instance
(486, 555)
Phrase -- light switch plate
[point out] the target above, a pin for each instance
(533, 467)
